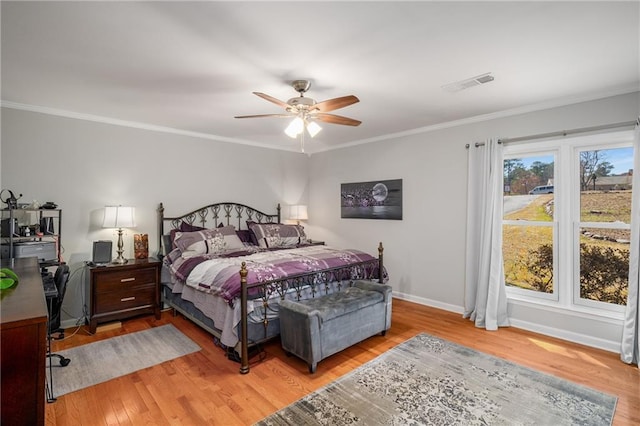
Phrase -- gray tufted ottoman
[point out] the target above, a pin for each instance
(316, 328)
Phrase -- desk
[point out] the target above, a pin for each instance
(23, 340)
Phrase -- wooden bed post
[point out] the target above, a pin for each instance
(380, 264)
(244, 341)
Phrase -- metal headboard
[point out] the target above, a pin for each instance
(227, 213)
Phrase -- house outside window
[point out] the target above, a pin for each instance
(566, 222)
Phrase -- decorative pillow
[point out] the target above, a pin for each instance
(253, 239)
(246, 236)
(187, 227)
(208, 241)
(278, 235)
(184, 227)
(172, 256)
(167, 244)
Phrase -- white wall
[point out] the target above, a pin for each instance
(425, 252)
(83, 166)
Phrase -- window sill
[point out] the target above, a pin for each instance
(606, 316)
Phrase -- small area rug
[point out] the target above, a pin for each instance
(101, 361)
(430, 381)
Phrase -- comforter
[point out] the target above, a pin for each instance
(219, 274)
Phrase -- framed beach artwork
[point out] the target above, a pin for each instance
(381, 199)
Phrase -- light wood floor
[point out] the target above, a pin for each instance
(205, 388)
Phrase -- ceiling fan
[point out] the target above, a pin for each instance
(306, 111)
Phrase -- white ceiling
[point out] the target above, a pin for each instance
(192, 66)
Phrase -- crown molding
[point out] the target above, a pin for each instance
(132, 124)
(555, 103)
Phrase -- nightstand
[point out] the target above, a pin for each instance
(122, 291)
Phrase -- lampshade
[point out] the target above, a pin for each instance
(118, 217)
(298, 212)
(295, 127)
(313, 128)
(298, 125)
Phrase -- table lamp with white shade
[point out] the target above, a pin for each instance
(298, 213)
(119, 217)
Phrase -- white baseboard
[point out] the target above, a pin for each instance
(429, 302)
(583, 339)
(607, 345)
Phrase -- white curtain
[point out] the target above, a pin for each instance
(630, 348)
(485, 295)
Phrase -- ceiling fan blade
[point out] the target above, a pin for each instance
(335, 103)
(272, 99)
(263, 116)
(336, 119)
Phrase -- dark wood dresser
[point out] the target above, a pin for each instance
(23, 340)
(122, 291)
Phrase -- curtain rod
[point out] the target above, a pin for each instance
(564, 132)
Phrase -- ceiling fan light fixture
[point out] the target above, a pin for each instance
(305, 112)
(295, 128)
(313, 128)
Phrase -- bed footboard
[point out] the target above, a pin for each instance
(361, 270)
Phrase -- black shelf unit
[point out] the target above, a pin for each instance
(14, 231)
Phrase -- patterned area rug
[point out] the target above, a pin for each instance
(427, 380)
(98, 362)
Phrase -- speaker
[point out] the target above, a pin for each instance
(101, 252)
(9, 227)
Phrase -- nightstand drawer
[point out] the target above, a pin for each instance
(118, 280)
(133, 297)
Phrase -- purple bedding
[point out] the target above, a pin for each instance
(219, 274)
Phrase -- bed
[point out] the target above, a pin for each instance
(226, 266)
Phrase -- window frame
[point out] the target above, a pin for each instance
(577, 224)
(566, 224)
(537, 295)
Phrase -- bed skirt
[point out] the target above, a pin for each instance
(257, 332)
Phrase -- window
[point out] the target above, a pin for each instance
(566, 223)
(604, 230)
(528, 226)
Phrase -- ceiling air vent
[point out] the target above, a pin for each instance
(470, 82)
